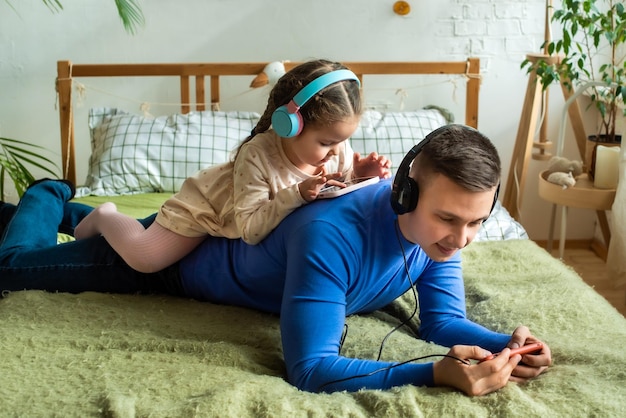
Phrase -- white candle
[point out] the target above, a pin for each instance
(607, 167)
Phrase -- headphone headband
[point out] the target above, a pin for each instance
(287, 121)
(321, 83)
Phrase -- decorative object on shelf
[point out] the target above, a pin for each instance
(270, 74)
(564, 165)
(606, 167)
(593, 141)
(563, 172)
(402, 8)
(564, 180)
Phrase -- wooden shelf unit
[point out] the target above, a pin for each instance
(583, 194)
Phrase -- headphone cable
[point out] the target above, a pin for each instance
(383, 369)
(414, 291)
(404, 322)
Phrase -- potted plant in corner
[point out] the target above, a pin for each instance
(592, 52)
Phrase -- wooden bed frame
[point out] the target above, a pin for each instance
(194, 97)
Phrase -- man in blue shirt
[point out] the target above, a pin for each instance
(327, 260)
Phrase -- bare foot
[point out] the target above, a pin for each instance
(90, 226)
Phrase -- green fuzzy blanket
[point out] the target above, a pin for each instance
(154, 356)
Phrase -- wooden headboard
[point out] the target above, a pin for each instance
(194, 97)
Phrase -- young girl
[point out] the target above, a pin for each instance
(274, 172)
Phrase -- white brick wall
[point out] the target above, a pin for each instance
(489, 28)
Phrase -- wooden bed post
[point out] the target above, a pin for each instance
(215, 92)
(185, 97)
(66, 119)
(200, 100)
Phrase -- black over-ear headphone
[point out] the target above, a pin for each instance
(405, 191)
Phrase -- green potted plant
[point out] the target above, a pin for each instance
(592, 51)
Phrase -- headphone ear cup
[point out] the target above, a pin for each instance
(285, 123)
(287, 120)
(405, 197)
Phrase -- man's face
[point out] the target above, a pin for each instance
(447, 217)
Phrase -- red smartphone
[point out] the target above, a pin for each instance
(528, 348)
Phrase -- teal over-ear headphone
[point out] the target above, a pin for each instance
(287, 120)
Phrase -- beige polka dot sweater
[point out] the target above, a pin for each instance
(247, 198)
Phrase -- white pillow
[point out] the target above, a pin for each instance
(393, 134)
(138, 154)
(500, 226)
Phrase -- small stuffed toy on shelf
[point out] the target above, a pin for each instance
(563, 172)
(270, 74)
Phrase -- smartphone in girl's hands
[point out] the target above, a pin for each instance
(330, 191)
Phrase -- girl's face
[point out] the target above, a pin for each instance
(447, 217)
(317, 144)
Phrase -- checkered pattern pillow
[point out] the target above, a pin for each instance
(500, 226)
(137, 154)
(393, 134)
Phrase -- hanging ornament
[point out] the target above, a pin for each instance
(270, 74)
(402, 8)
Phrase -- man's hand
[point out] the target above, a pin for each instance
(531, 365)
(474, 379)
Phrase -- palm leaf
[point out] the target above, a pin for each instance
(128, 10)
(130, 13)
(15, 159)
(54, 5)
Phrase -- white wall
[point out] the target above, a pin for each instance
(32, 39)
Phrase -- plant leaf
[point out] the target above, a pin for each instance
(15, 156)
(131, 14)
(54, 5)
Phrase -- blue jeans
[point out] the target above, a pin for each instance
(31, 259)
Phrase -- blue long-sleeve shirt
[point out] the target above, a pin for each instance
(328, 260)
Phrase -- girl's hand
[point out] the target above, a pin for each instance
(372, 165)
(310, 188)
